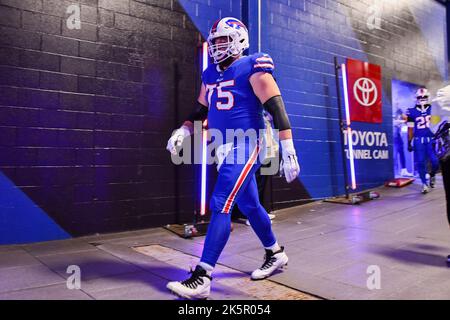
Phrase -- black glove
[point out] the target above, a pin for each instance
(410, 147)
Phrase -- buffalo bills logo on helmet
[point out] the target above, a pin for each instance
(235, 24)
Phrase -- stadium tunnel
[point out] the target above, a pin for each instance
(92, 89)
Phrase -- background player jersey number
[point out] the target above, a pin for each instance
(222, 93)
(423, 122)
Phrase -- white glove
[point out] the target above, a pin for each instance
(289, 166)
(443, 98)
(177, 139)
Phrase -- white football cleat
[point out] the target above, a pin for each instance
(198, 286)
(272, 262)
(425, 189)
(404, 173)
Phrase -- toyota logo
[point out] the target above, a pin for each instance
(365, 92)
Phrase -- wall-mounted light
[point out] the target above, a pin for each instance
(349, 130)
(205, 62)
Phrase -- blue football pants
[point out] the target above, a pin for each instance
(236, 184)
(423, 151)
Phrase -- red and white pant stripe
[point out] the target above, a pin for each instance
(240, 181)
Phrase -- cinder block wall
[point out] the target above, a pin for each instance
(85, 114)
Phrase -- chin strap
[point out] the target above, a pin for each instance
(423, 108)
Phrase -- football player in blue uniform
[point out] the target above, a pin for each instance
(420, 136)
(234, 92)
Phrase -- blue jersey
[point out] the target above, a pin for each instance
(231, 101)
(421, 121)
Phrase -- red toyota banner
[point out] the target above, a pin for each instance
(364, 91)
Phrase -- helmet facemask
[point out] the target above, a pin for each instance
(223, 50)
(423, 103)
(422, 99)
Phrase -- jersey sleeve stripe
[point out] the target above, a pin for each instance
(264, 65)
(264, 59)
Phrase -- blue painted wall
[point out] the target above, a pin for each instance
(204, 13)
(21, 220)
(303, 36)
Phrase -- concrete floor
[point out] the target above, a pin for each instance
(404, 234)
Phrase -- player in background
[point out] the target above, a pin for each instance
(234, 92)
(420, 136)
